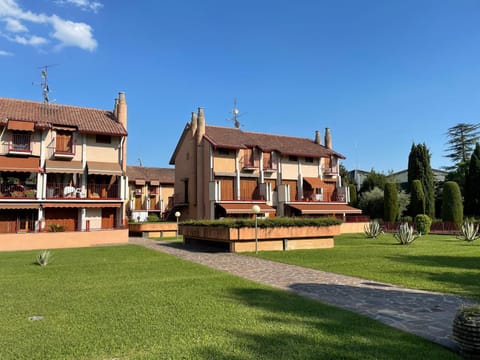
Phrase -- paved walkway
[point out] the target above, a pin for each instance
(423, 313)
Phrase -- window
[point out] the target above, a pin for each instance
(64, 141)
(293, 158)
(20, 141)
(309, 159)
(103, 139)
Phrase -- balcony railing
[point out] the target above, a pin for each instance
(269, 165)
(18, 191)
(93, 191)
(330, 170)
(325, 196)
(247, 162)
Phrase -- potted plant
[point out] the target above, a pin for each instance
(466, 331)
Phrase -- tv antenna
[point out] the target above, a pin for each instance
(236, 114)
(44, 83)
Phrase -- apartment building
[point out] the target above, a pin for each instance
(223, 172)
(150, 191)
(62, 167)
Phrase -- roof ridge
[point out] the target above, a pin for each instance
(260, 133)
(58, 105)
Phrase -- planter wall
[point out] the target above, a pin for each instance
(276, 238)
(153, 229)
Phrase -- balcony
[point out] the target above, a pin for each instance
(249, 163)
(337, 195)
(269, 166)
(330, 170)
(20, 144)
(93, 191)
(18, 191)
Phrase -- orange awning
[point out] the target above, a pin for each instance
(81, 205)
(325, 208)
(139, 182)
(154, 182)
(20, 125)
(104, 168)
(315, 183)
(245, 208)
(19, 206)
(19, 164)
(64, 167)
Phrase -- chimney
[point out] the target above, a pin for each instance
(121, 115)
(318, 138)
(194, 123)
(200, 125)
(328, 138)
(115, 108)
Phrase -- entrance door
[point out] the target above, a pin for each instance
(108, 218)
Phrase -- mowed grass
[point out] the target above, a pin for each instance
(129, 302)
(433, 262)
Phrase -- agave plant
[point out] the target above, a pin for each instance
(405, 234)
(372, 229)
(469, 231)
(44, 258)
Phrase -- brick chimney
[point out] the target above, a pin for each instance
(194, 123)
(328, 138)
(121, 115)
(200, 125)
(318, 138)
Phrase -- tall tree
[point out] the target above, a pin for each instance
(372, 181)
(419, 169)
(452, 207)
(461, 142)
(417, 198)
(472, 184)
(390, 202)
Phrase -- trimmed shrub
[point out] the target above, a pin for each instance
(452, 207)
(390, 202)
(153, 218)
(265, 223)
(423, 223)
(417, 198)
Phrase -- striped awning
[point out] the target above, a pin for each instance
(81, 205)
(64, 167)
(315, 183)
(325, 208)
(20, 125)
(20, 164)
(19, 206)
(104, 168)
(245, 208)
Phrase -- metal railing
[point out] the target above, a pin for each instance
(93, 191)
(18, 191)
(20, 143)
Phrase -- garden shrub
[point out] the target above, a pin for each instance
(265, 223)
(469, 231)
(417, 198)
(44, 258)
(371, 202)
(423, 223)
(452, 207)
(56, 228)
(390, 202)
(153, 218)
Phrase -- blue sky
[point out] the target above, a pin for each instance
(380, 74)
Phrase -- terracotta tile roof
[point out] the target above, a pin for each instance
(286, 145)
(163, 175)
(86, 120)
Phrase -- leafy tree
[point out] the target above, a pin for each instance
(371, 203)
(472, 184)
(417, 198)
(373, 180)
(452, 207)
(461, 142)
(390, 202)
(419, 169)
(403, 201)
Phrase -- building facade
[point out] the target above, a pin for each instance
(223, 172)
(150, 192)
(62, 167)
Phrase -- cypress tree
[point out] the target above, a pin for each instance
(472, 184)
(452, 207)
(419, 169)
(353, 195)
(417, 199)
(390, 202)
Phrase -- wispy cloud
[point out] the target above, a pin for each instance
(65, 32)
(5, 53)
(85, 5)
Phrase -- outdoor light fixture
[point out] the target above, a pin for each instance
(256, 210)
(177, 215)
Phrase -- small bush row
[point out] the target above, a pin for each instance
(265, 223)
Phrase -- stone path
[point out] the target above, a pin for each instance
(423, 313)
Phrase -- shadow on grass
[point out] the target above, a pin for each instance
(322, 332)
(458, 262)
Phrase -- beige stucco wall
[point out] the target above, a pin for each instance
(352, 228)
(224, 164)
(56, 240)
(289, 170)
(102, 152)
(309, 169)
(184, 168)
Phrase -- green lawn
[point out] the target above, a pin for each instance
(128, 302)
(433, 262)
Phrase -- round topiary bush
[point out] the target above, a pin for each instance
(423, 223)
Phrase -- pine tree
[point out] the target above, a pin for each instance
(461, 142)
(417, 199)
(390, 202)
(452, 207)
(419, 169)
(472, 184)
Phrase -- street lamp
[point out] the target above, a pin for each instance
(256, 210)
(177, 215)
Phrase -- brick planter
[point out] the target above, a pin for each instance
(274, 238)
